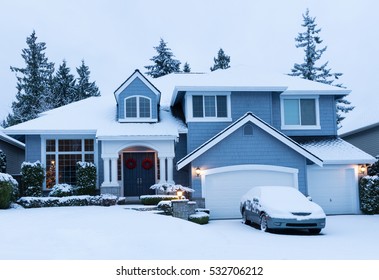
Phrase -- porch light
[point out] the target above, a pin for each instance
(198, 171)
(363, 169)
(179, 194)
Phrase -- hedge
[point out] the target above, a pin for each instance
(369, 194)
(200, 218)
(5, 194)
(155, 199)
(81, 200)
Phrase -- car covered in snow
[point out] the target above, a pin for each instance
(281, 207)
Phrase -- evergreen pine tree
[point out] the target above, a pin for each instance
(33, 83)
(164, 62)
(84, 88)
(310, 40)
(221, 62)
(63, 86)
(186, 68)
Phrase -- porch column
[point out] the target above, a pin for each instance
(114, 171)
(162, 166)
(170, 170)
(106, 163)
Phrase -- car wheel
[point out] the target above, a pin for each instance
(246, 221)
(264, 223)
(314, 230)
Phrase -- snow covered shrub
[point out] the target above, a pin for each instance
(121, 200)
(8, 178)
(165, 206)
(373, 169)
(155, 199)
(85, 178)
(369, 194)
(5, 194)
(61, 190)
(3, 162)
(200, 218)
(81, 200)
(32, 178)
(205, 210)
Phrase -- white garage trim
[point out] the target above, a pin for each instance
(262, 167)
(223, 187)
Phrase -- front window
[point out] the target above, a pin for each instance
(300, 112)
(209, 106)
(137, 107)
(62, 156)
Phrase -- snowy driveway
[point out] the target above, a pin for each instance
(117, 233)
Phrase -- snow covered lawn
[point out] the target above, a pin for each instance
(110, 233)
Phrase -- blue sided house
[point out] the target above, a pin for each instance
(220, 133)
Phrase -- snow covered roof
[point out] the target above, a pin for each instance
(96, 115)
(337, 151)
(10, 140)
(239, 78)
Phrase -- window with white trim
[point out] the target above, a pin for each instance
(137, 107)
(209, 106)
(62, 156)
(300, 113)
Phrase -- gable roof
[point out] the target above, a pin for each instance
(128, 81)
(248, 117)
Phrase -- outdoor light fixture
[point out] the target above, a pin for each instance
(198, 171)
(179, 194)
(363, 169)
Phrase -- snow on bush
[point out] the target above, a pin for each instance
(8, 178)
(3, 162)
(82, 200)
(62, 190)
(155, 199)
(369, 194)
(165, 206)
(200, 218)
(5, 194)
(171, 188)
(33, 175)
(85, 178)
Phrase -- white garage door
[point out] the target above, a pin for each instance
(223, 187)
(335, 189)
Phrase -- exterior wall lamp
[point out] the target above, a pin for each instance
(362, 169)
(198, 171)
(179, 194)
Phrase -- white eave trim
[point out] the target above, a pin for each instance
(51, 132)
(137, 137)
(249, 117)
(342, 92)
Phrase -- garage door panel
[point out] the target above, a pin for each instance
(334, 189)
(223, 191)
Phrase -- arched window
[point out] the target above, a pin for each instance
(138, 107)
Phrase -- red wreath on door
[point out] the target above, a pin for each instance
(130, 163)
(147, 164)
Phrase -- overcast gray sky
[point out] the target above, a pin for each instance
(114, 37)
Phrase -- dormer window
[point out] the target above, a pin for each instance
(137, 107)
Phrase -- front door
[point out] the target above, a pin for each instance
(139, 173)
